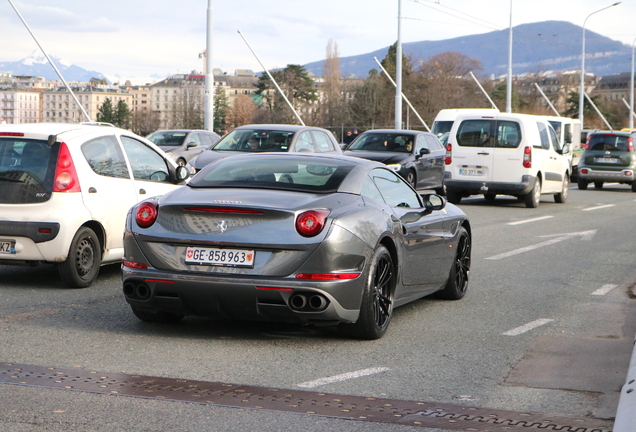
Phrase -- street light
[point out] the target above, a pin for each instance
(631, 92)
(582, 88)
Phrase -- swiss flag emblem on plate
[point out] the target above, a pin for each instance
(190, 254)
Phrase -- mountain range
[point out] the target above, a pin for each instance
(537, 47)
(37, 65)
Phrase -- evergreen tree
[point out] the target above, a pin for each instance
(221, 109)
(298, 87)
(106, 113)
(122, 115)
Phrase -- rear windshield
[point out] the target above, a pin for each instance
(292, 174)
(609, 142)
(26, 170)
(381, 142)
(253, 140)
(489, 133)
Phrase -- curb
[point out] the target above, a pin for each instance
(626, 412)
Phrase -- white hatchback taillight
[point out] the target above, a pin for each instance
(527, 157)
(311, 222)
(146, 214)
(65, 179)
(448, 159)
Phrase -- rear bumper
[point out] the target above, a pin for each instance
(471, 187)
(623, 176)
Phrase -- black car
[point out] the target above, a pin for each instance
(315, 239)
(417, 156)
(268, 138)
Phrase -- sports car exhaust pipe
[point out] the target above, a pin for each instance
(317, 302)
(129, 290)
(142, 292)
(298, 301)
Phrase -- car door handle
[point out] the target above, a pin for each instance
(483, 153)
(142, 191)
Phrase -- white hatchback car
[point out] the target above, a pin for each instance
(66, 190)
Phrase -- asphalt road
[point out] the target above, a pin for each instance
(546, 327)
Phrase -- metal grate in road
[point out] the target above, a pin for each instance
(411, 413)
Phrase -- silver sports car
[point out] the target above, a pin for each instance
(322, 240)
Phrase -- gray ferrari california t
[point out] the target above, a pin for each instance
(322, 240)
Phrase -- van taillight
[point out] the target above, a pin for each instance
(65, 179)
(527, 157)
(630, 144)
(449, 154)
(587, 142)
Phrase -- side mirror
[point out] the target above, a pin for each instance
(181, 173)
(190, 145)
(566, 149)
(424, 151)
(433, 202)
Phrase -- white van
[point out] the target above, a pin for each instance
(444, 120)
(506, 154)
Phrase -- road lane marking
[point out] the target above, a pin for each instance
(342, 377)
(585, 235)
(530, 220)
(527, 327)
(599, 207)
(604, 289)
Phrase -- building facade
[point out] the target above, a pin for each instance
(59, 106)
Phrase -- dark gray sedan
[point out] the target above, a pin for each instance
(323, 240)
(417, 156)
(269, 138)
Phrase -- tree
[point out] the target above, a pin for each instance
(187, 109)
(298, 87)
(370, 106)
(331, 105)
(122, 115)
(106, 112)
(242, 112)
(145, 122)
(221, 108)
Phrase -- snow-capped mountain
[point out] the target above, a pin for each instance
(37, 65)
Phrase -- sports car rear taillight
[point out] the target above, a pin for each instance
(527, 157)
(311, 222)
(66, 179)
(146, 214)
(448, 159)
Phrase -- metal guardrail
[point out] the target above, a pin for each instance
(626, 412)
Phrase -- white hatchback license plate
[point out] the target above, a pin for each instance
(607, 160)
(472, 171)
(220, 257)
(7, 246)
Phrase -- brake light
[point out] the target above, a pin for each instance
(527, 157)
(587, 142)
(327, 276)
(66, 179)
(146, 214)
(449, 154)
(13, 134)
(630, 144)
(311, 222)
(223, 210)
(133, 264)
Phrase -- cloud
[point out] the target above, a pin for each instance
(63, 20)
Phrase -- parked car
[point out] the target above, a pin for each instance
(314, 239)
(66, 189)
(608, 157)
(183, 145)
(507, 154)
(417, 156)
(269, 138)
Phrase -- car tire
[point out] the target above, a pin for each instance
(582, 183)
(490, 196)
(533, 197)
(563, 195)
(441, 190)
(457, 283)
(411, 179)
(156, 316)
(181, 162)
(633, 186)
(453, 197)
(81, 266)
(376, 308)
(598, 185)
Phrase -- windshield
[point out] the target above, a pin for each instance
(383, 142)
(297, 174)
(254, 140)
(167, 139)
(441, 127)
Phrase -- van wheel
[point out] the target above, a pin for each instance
(598, 185)
(533, 197)
(561, 197)
(582, 183)
(454, 197)
(81, 266)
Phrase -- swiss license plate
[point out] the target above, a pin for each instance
(220, 257)
(607, 160)
(472, 171)
(7, 246)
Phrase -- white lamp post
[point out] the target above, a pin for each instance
(631, 92)
(509, 78)
(398, 71)
(582, 88)
(208, 114)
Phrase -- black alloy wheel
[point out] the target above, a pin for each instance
(457, 284)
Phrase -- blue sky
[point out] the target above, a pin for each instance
(141, 39)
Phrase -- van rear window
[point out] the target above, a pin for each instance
(489, 133)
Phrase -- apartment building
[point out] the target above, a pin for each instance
(19, 104)
(59, 106)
